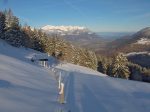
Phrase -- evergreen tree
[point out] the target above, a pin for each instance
(14, 24)
(119, 67)
(103, 64)
(135, 72)
(9, 17)
(2, 25)
(14, 35)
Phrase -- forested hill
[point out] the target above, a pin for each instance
(16, 35)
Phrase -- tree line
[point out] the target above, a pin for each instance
(119, 67)
(17, 35)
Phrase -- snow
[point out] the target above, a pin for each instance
(143, 41)
(64, 30)
(79, 69)
(24, 87)
(28, 87)
(137, 53)
(88, 91)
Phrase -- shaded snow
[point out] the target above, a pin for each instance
(27, 87)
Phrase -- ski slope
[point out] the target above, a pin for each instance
(29, 87)
(91, 92)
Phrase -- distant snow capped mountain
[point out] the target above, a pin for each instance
(65, 30)
(77, 35)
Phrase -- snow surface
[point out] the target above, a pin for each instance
(143, 41)
(137, 53)
(28, 87)
(65, 30)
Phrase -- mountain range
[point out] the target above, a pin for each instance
(65, 30)
(79, 36)
(106, 43)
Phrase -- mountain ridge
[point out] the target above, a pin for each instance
(137, 42)
(65, 30)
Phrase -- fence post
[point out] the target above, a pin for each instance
(59, 81)
(61, 100)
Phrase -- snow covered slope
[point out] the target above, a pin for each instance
(27, 87)
(95, 92)
(24, 87)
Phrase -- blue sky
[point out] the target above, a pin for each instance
(97, 15)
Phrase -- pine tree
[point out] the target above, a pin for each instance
(14, 24)
(2, 25)
(14, 35)
(135, 71)
(120, 68)
(9, 17)
(103, 64)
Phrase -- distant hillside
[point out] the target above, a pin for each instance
(114, 35)
(141, 58)
(138, 42)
